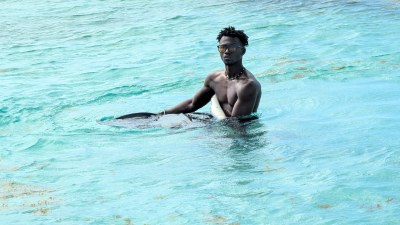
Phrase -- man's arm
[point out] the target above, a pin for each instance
(247, 97)
(200, 99)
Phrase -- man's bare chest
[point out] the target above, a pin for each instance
(231, 94)
(226, 93)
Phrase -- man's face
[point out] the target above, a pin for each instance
(231, 50)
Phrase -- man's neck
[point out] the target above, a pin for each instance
(234, 71)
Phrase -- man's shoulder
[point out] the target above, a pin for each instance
(250, 82)
(249, 86)
(216, 73)
(214, 76)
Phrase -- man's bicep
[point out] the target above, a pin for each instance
(245, 103)
(243, 107)
(202, 97)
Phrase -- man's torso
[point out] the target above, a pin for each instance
(227, 90)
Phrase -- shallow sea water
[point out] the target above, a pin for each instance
(325, 150)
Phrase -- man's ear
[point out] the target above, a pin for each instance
(244, 51)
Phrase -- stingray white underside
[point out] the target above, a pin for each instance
(216, 109)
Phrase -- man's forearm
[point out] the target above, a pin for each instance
(183, 107)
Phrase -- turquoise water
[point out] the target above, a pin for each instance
(325, 150)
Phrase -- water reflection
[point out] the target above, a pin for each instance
(245, 136)
(240, 144)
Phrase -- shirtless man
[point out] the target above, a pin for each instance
(237, 90)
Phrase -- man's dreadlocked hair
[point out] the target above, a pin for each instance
(232, 32)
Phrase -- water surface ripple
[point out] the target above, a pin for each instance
(324, 151)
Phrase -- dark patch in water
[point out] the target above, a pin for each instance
(176, 17)
(34, 198)
(325, 206)
(389, 200)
